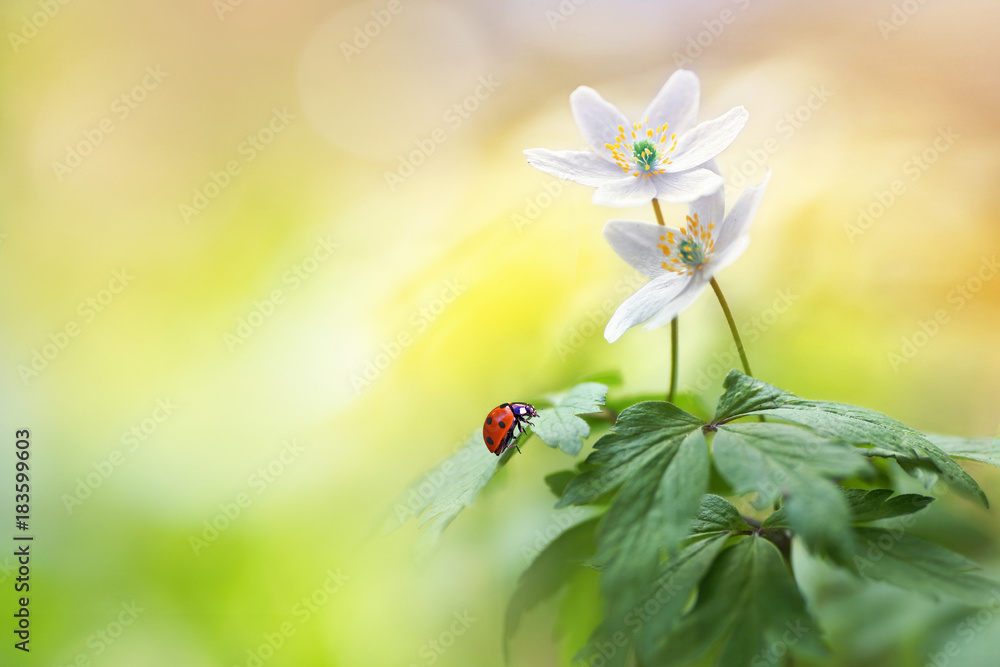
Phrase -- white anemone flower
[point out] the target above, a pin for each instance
(681, 262)
(661, 156)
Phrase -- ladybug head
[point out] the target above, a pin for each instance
(523, 410)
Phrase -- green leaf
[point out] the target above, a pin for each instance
(560, 427)
(984, 450)
(879, 435)
(451, 486)
(881, 504)
(893, 556)
(781, 460)
(749, 609)
(717, 516)
(551, 569)
(660, 608)
(743, 395)
(919, 469)
(654, 510)
(639, 436)
(645, 619)
(558, 481)
(644, 614)
(579, 610)
(658, 455)
(865, 506)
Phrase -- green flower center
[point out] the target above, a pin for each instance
(645, 154)
(691, 252)
(686, 250)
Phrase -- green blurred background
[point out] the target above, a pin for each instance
(266, 323)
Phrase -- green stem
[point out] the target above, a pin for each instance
(674, 329)
(732, 326)
(674, 337)
(659, 213)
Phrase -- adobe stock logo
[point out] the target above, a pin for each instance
(364, 34)
(223, 7)
(102, 639)
(30, 25)
(231, 510)
(958, 297)
(901, 14)
(249, 150)
(455, 116)
(265, 308)
(59, 340)
(306, 608)
(433, 649)
(420, 320)
(913, 169)
(967, 629)
(121, 108)
(785, 128)
(704, 39)
(131, 440)
(534, 206)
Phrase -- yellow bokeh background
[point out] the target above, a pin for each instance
(228, 182)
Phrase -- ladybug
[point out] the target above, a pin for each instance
(498, 430)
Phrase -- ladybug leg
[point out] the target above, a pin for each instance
(506, 444)
(519, 423)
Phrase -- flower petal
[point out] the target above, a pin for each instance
(685, 187)
(646, 302)
(597, 119)
(578, 166)
(710, 209)
(627, 191)
(638, 244)
(694, 286)
(676, 104)
(741, 215)
(703, 142)
(723, 258)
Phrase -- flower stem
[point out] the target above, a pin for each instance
(673, 360)
(673, 326)
(659, 213)
(732, 326)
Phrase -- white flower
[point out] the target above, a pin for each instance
(681, 262)
(660, 156)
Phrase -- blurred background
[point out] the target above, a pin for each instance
(262, 264)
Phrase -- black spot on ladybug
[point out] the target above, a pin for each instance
(489, 440)
(501, 425)
(489, 420)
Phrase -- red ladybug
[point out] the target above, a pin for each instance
(498, 430)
